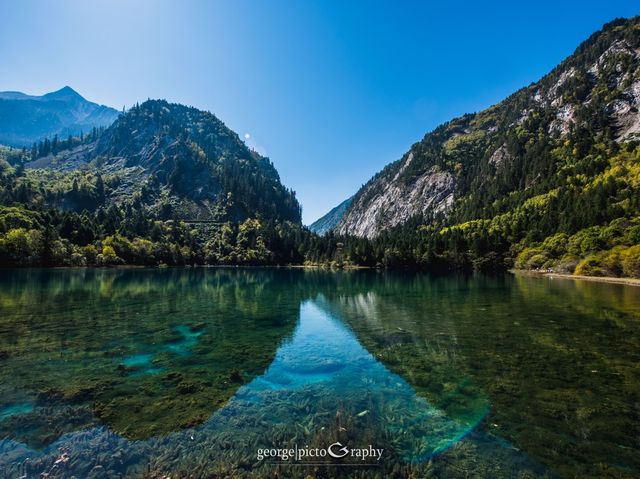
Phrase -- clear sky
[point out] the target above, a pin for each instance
(330, 90)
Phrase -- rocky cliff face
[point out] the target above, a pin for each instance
(471, 165)
(329, 221)
(384, 204)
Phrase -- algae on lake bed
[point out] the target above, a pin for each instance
(153, 360)
(557, 360)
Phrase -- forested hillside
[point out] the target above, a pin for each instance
(164, 184)
(549, 178)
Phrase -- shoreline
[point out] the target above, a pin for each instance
(599, 279)
(228, 266)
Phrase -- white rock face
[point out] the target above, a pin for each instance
(617, 47)
(552, 95)
(396, 202)
(564, 119)
(500, 156)
(624, 112)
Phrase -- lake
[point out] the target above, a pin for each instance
(214, 372)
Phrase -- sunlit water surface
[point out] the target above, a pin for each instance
(191, 372)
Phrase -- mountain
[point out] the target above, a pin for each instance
(552, 142)
(25, 119)
(329, 221)
(170, 160)
(164, 184)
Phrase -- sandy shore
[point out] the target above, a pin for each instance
(600, 279)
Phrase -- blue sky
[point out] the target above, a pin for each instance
(330, 90)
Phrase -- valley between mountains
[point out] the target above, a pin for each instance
(548, 179)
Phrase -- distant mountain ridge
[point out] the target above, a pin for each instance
(25, 119)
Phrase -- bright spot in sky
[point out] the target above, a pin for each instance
(247, 136)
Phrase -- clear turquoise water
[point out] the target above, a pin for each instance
(190, 372)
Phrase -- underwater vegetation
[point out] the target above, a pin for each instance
(142, 354)
(557, 361)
